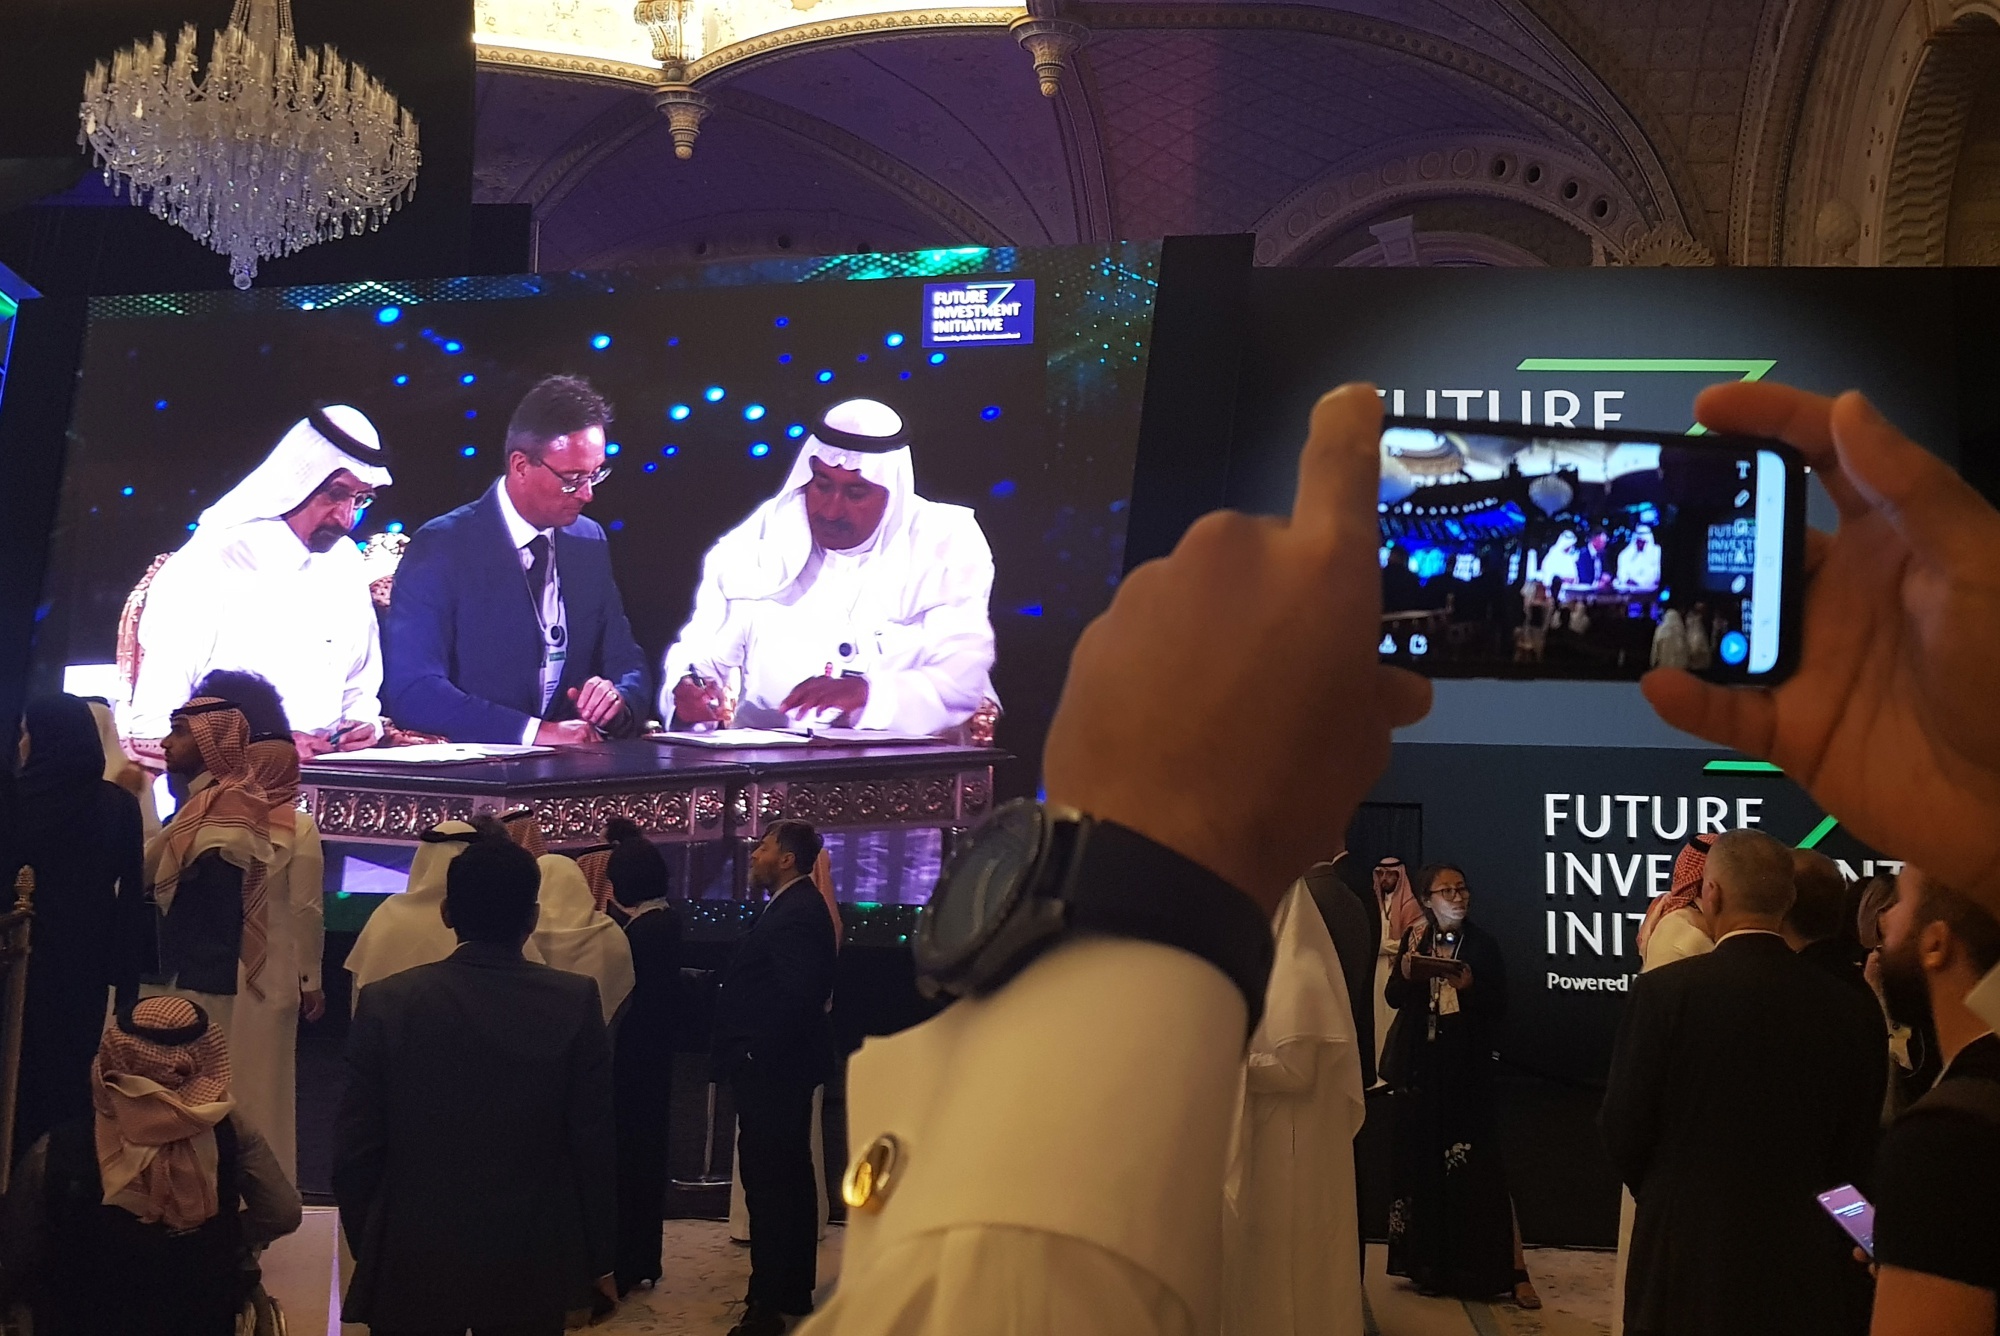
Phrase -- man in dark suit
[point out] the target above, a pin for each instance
(475, 1162)
(505, 624)
(773, 1045)
(1744, 1082)
(1819, 926)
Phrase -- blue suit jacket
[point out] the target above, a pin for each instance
(461, 647)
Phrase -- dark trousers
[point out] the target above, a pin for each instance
(548, 1326)
(774, 1143)
(644, 1092)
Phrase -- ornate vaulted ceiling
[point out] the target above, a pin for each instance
(1509, 131)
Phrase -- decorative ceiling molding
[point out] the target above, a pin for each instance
(1078, 123)
(1450, 249)
(860, 28)
(1916, 204)
(1444, 166)
(1625, 88)
(1774, 97)
(565, 65)
(1587, 124)
(881, 169)
(606, 133)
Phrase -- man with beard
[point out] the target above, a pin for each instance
(1937, 1175)
(271, 583)
(846, 599)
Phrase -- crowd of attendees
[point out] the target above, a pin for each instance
(500, 1156)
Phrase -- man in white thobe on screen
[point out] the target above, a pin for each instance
(1639, 563)
(271, 583)
(845, 600)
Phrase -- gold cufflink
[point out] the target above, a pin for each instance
(872, 1177)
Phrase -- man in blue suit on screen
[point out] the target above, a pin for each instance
(505, 624)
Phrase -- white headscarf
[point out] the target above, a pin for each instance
(574, 935)
(408, 930)
(767, 552)
(295, 468)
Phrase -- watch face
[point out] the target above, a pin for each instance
(980, 883)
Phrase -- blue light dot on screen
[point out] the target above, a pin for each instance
(782, 321)
(861, 357)
(125, 491)
(679, 412)
(471, 413)
(651, 467)
(825, 376)
(902, 375)
(467, 378)
(615, 525)
(937, 359)
(1032, 610)
(670, 450)
(674, 342)
(159, 405)
(612, 448)
(894, 340)
(990, 412)
(714, 394)
(393, 526)
(784, 359)
(600, 341)
(1005, 487)
(389, 315)
(751, 412)
(758, 449)
(453, 346)
(307, 306)
(402, 380)
(468, 450)
(795, 431)
(191, 528)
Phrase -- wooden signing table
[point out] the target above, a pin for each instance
(676, 794)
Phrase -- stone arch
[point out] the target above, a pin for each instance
(1923, 164)
(1580, 192)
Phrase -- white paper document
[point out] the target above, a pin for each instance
(441, 753)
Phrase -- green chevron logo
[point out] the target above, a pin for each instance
(1743, 368)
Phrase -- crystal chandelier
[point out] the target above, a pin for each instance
(273, 150)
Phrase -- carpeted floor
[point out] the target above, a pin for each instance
(706, 1274)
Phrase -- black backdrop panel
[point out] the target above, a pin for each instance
(1564, 848)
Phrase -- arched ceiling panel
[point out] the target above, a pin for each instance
(1206, 130)
(962, 109)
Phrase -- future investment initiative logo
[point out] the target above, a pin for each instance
(987, 311)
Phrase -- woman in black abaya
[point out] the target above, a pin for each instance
(81, 835)
(1451, 1220)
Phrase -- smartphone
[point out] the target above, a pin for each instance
(1433, 967)
(1853, 1213)
(1544, 552)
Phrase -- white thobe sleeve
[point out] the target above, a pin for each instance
(1984, 999)
(177, 635)
(307, 885)
(713, 643)
(1063, 1149)
(361, 697)
(944, 657)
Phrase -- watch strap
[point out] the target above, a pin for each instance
(1123, 884)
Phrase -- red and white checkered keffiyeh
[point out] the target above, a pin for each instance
(525, 830)
(159, 1085)
(230, 815)
(1685, 889)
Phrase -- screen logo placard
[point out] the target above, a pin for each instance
(987, 311)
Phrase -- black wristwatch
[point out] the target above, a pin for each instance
(1031, 876)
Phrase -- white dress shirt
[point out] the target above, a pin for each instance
(1055, 1177)
(551, 612)
(253, 597)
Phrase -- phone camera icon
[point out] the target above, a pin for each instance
(1735, 648)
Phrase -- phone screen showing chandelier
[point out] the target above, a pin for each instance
(1512, 555)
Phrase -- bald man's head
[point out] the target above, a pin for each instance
(1747, 872)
